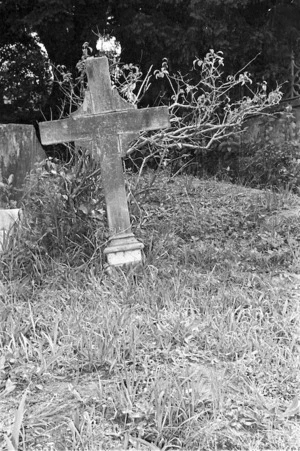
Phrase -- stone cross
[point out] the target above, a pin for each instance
(107, 124)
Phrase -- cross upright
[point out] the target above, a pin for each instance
(107, 123)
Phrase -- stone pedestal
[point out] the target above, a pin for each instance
(124, 249)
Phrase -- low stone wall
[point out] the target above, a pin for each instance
(281, 124)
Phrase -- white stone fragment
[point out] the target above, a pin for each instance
(8, 218)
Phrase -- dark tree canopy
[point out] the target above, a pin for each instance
(150, 30)
(62, 25)
(183, 29)
(25, 80)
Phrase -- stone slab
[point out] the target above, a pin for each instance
(8, 218)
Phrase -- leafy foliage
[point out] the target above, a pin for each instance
(271, 165)
(61, 25)
(263, 32)
(182, 30)
(25, 80)
(64, 216)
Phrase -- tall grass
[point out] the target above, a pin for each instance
(196, 349)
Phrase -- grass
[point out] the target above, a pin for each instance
(198, 349)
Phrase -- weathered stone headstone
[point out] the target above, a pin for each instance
(19, 151)
(107, 124)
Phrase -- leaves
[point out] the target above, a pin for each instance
(65, 209)
(18, 421)
(25, 78)
(148, 32)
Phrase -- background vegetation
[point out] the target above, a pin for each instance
(179, 30)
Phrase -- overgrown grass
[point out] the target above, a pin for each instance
(196, 350)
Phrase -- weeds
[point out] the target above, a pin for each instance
(197, 349)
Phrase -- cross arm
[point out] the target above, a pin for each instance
(103, 124)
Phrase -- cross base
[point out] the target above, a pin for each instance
(124, 249)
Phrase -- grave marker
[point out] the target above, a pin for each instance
(20, 150)
(107, 124)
